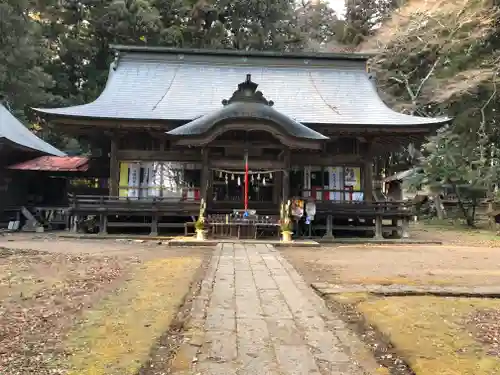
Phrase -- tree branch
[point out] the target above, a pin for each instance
(419, 89)
(483, 117)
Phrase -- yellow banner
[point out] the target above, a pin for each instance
(123, 178)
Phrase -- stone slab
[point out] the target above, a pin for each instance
(255, 315)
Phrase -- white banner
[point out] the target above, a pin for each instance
(335, 182)
(134, 180)
(155, 179)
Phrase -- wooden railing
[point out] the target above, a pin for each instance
(324, 194)
(361, 208)
(146, 192)
(353, 207)
(89, 203)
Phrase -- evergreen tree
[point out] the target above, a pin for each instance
(23, 81)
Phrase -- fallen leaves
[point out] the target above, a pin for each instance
(42, 296)
(485, 326)
(428, 332)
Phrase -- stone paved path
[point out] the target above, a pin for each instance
(256, 315)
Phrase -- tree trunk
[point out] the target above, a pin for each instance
(440, 211)
(468, 219)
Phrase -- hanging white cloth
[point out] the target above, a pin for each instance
(133, 180)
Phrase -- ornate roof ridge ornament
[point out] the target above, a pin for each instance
(247, 92)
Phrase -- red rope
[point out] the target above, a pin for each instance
(246, 181)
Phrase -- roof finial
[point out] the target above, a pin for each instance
(247, 92)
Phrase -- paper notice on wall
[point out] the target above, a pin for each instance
(352, 177)
(352, 180)
(134, 180)
(307, 182)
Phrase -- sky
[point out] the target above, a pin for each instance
(338, 6)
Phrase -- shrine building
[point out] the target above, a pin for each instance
(178, 125)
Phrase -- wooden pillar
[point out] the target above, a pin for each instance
(286, 176)
(205, 173)
(114, 168)
(277, 187)
(395, 223)
(368, 172)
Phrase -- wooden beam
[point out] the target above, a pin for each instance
(177, 155)
(324, 160)
(238, 144)
(69, 122)
(239, 164)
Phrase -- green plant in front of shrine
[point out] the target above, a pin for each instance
(285, 221)
(199, 225)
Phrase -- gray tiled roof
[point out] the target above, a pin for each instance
(173, 86)
(14, 131)
(242, 110)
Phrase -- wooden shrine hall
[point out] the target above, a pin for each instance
(242, 130)
(20, 190)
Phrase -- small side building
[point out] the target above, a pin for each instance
(18, 144)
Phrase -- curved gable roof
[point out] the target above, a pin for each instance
(247, 111)
(163, 84)
(14, 131)
(247, 104)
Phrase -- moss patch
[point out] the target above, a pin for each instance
(117, 335)
(430, 333)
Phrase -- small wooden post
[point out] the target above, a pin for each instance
(329, 228)
(395, 223)
(154, 225)
(103, 223)
(154, 219)
(405, 233)
(74, 223)
(103, 217)
(378, 228)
